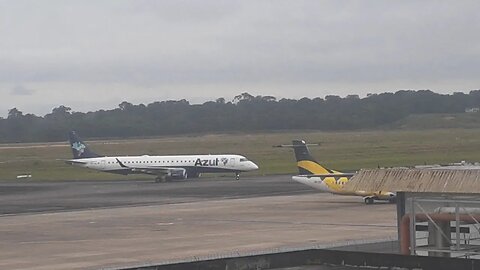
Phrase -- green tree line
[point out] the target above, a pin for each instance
(245, 113)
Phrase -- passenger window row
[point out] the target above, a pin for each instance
(150, 162)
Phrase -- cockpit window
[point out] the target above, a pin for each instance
(243, 159)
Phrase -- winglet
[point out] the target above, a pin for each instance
(121, 164)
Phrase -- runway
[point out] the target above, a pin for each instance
(93, 225)
(34, 197)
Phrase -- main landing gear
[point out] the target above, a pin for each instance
(161, 179)
(369, 200)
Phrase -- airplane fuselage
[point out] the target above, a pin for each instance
(336, 186)
(193, 164)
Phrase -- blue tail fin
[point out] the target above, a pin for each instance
(79, 148)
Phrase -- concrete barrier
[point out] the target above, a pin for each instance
(319, 257)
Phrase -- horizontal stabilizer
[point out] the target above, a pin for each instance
(71, 162)
(293, 146)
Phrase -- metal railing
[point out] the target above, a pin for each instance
(453, 227)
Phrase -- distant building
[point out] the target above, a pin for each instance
(472, 110)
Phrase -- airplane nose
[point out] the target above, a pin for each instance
(254, 166)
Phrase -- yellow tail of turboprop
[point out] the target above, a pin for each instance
(309, 167)
(306, 164)
(320, 177)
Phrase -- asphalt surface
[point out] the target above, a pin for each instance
(36, 197)
(115, 224)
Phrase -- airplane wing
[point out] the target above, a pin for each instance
(160, 171)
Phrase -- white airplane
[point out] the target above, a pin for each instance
(163, 167)
(319, 177)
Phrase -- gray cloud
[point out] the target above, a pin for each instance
(19, 90)
(147, 50)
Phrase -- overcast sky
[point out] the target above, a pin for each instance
(92, 55)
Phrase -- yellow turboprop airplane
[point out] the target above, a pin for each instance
(319, 177)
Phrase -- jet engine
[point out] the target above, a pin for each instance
(179, 173)
(193, 173)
